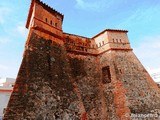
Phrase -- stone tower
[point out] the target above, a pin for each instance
(69, 77)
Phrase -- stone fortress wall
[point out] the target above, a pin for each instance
(65, 76)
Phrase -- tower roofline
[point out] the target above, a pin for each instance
(45, 6)
(76, 35)
(114, 30)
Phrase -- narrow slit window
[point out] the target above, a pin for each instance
(49, 62)
(106, 75)
(56, 24)
(117, 40)
(46, 20)
(51, 22)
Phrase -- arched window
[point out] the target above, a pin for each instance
(46, 20)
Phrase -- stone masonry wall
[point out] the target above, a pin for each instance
(140, 92)
(44, 87)
(53, 84)
(97, 99)
(69, 77)
(113, 90)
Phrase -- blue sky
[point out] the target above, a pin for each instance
(87, 18)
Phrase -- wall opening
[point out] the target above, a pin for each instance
(4, 109)
(106, 75)
(117, 40)
(67, 39)
(51, 22)
(46, 20)
(56, 24)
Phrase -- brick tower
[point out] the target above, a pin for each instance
(69, 77)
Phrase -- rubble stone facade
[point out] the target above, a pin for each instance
(69, 77)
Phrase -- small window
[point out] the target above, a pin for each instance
(4, 109)
(51, 22)
(49, 62)
(120, 40)
(120, 70)
(99, 44)
(103, 42)
(106, 75)
(56, 24)
(117, 40)
(67, 39)
(113, 40)
(46, 20)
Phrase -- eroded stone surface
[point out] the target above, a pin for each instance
(69, 77)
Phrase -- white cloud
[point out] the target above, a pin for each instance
(142, 14)
(148, 51)
(155, 74)
(93, 5)
(21, 29)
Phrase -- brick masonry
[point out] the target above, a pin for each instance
(69, 77)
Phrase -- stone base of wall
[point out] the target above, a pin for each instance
(53, 84)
